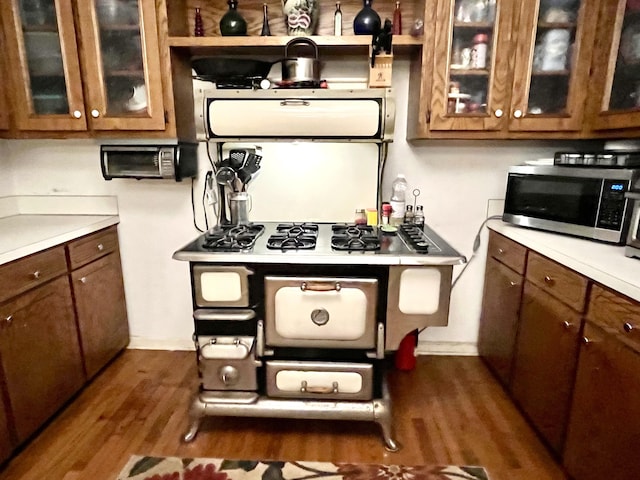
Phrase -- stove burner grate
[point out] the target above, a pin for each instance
(232, 238)
(298, 228)
(354, 238)
(294, 236)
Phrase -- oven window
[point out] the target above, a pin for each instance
(562, 199)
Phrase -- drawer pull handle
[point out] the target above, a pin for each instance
(586, 341)
(320, 287)
(100, 247)
(9, 319)
(83, 280)
(36, 274)
(548, 280)
(500, 251)
(513, 284)
(304, 388)
(627, 327)
(566, 325)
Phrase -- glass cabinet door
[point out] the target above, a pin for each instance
(120, 50)
(42, 51)
(471, 65)
(552, 66)
(617, 66)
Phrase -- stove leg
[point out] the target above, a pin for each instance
(382, 416)
(196, 413)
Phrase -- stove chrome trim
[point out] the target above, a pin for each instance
(220, 314)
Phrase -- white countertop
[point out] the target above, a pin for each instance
(603, 263)
(31, 224)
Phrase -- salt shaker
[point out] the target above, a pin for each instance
(418, 217)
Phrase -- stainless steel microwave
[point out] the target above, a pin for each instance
(584, 202)
(175, 162)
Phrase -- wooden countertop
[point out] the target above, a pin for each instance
(603, 263)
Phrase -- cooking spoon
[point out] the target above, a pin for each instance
(226, 176)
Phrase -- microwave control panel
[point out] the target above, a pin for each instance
(613, 204)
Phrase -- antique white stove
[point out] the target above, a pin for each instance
(296, 319)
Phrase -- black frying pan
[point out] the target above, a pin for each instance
(217, 69)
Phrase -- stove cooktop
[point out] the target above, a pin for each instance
(323, 243)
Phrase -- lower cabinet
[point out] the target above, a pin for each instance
(499, 321)
(545, 362)
(40, 354)
(101, 309)
(6, 445)
(604, 427)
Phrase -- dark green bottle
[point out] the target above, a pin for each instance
(232, 23)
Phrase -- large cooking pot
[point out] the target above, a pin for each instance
(301, 69)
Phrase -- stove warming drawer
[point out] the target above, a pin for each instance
(320, 380)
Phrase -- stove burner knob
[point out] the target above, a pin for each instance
(229, 375)
(320, 316)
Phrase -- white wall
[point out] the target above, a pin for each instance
(456, 179)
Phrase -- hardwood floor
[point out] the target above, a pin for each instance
(449, 410)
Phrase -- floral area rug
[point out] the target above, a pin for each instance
(174, 468)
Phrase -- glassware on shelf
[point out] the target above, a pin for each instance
(266, 31)
(397, 20)
(198, 30)
(301, 16)
(232, 23)
(367, 21)
(337, 20)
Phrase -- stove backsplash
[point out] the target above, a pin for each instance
(311, 181)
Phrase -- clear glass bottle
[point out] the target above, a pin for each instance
(337, 21)
(266, 31)
(398, 196)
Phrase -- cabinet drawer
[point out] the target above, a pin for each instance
(564, 284)
(615, 314)
(26, 273)
(506, 251)
(87, 249)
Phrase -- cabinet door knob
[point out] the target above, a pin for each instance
(8, 319)
(500, 251)
(498, 113)
(83, 280)
(77, 114)
(627, 327)
(100, 247)
(95, 113)
(517, 114)
(513, 284)
(586, 341)
(548, 280)
(566, 325)
(36, 274)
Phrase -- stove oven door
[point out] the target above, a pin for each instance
(320, 312)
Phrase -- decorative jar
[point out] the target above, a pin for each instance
(301, 16)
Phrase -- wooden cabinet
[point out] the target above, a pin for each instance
(501, 305)
(6, 442)
(40, 354)
(545, 362)
(4, 112)
(62, 318)
(110, 80)
(531, 49)
(615, 86)
(605, 412)
(99, 298)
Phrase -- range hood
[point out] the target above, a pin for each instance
(335, 115)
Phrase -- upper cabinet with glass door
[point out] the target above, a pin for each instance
(552, 61)
(615, 90)
(471, 65)
(120, 87)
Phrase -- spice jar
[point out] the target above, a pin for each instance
(479, 51)
(361, 217)
(386, 213)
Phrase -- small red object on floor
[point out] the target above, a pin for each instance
(405, 356)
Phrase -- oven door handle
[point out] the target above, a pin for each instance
(304, 388)
(321, 286)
